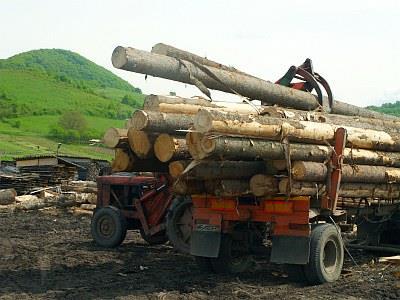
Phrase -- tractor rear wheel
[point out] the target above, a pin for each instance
(108, 227)
(180, 223)
(326, 255)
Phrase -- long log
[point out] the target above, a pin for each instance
(234, 148)
(161, 122)
(357, 190)
(171, 51)
(207, 170)
(141, 143)
(144, 62)
(115, 136)
(174, 104)
(215, 121)
(167, 147)
(312, 171)
(263, 185)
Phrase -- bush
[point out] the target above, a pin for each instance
(73, 120)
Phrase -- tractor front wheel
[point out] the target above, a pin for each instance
(108, 227)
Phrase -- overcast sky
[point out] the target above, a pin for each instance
(353, 44)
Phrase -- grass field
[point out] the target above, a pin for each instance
(33, 132)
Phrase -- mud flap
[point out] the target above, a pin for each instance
(205, 240)
(290, 250)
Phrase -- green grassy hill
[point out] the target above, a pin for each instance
(37, 87)
(388, 108)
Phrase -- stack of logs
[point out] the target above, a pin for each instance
(235, 149)
(228, 150)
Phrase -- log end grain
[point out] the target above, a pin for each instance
(139, 120)
(203, 121)
(263, 185)
(176, 168)
(164, 147)
(140, 143)
(119, 58)
(113, 136)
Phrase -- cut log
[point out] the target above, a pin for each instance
(7, 196)
(115, 136)
(188, 187)
(171, 51)
(228, 187)
(168, 104)
(263, 185)
(207, 170)
(312, 171)
(88, 206)
(123, 161)
(162, 66)
(301, 131)
(167, 147)
(160, 122)
(141, 143)
(144, 62)
(232, 148)
(357, 190)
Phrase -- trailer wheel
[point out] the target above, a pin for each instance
(108, 227)
(155, 239)
(326, 255)
(179, 223)
(232, 257)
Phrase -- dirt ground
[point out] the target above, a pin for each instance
(50, 254)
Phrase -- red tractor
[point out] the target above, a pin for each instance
(145, 203)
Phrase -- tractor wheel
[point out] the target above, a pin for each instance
(180, 223)
(326, 255)
(108, 227)
(156, 239)
(232, 257)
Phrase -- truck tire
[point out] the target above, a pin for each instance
(108, 227)
(179, 224)
(326, 255)
(230, 259)
(155, 239)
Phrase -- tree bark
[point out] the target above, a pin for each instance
(141, 143)
(233, 148)
(263, 185)
(171, 51)
(357, 190)
(115, 136)
(301, 131)
(207, 170)
(144, 62)
(169, 104)
(167, 147)
(161, 122)
(312, 171)
(228, 187)
(188, 187)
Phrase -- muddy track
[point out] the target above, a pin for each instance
(50, 254)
